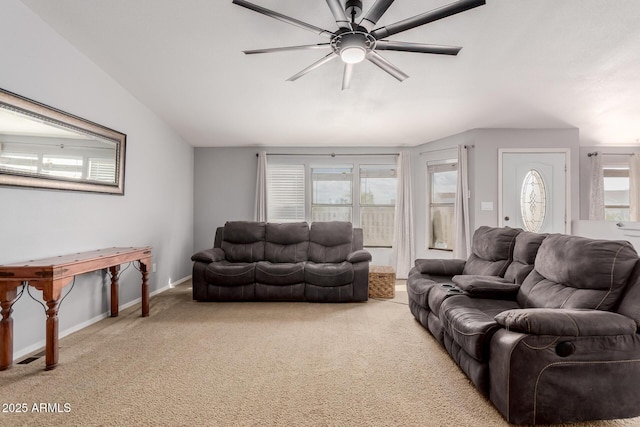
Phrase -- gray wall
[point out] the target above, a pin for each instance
(156, 210)
(224, 187)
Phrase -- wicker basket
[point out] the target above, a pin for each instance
(382, 281)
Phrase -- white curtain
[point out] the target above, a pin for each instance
(261, 188)
(462, 247)
(403, 243)
(596, 195)
(634, 186)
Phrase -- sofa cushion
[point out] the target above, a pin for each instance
(286, 242)
(524, 255)
(328, 274)
(470, 322)
(330, 241)
(441, 292)
(243, 241)
(576, 272)
(418, 289)
(280, 274)
(491, 251)
(225, 273)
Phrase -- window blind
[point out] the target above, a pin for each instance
(103, 170)
(285, 193)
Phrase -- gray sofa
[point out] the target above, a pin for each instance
(251, 261)
(545, 326)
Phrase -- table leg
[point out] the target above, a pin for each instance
(115, 286)
(51, 294)
(144, 269)
(8, 294)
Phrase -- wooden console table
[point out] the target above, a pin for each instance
(50, 275)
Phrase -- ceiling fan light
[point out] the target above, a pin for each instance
(352, 54)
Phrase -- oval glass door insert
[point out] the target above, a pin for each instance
(533, 201)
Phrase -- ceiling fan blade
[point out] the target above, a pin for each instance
(313, 66)
(283, 18)
(377, 10)
(346, 78)
(386, 66)
(425, 18)
(287, 48)
(417, 47)
(338, 13)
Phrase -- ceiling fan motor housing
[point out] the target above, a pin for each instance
(353, 46)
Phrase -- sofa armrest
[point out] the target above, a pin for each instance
(360, 255)
(486, 286)
(440, 267)
(566, 322)
(209, 255)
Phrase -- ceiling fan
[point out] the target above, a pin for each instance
(354, 42)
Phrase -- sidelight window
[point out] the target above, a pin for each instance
(443, 177)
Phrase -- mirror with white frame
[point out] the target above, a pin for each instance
(42, 147)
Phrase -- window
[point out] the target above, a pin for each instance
(63, 167)
(285, 193)
(332, 193)
(443, 176)
(616, 193)
(378, 187)
(19, 162)
(533, 201)
(103, 170)
(362, 192)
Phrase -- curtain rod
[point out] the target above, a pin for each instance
(331, 154)
(595, 153)
(446, 149)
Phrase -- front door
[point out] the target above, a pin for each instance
(534, 191)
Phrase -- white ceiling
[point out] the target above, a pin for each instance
(524, 63)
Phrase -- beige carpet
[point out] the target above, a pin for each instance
(252, 364)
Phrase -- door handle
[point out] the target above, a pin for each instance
(506, 218)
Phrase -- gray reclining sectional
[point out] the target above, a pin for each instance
(545, 326)
(283, 262)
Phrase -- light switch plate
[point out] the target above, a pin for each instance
(486, 206)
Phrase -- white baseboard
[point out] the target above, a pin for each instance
(177, 282)
(41, 344)
(156, 292)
